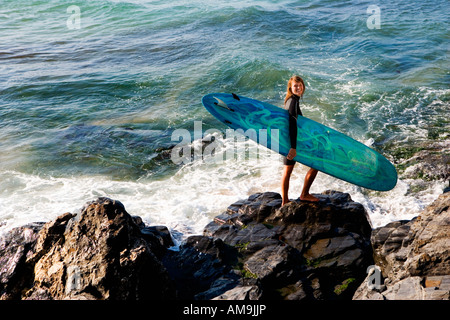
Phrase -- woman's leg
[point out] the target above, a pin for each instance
(285, 183)
(309, 179)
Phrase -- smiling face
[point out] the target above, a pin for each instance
(297, 88)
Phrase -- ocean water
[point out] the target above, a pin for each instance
(91, 93)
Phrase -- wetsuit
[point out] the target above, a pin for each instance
(293, 107)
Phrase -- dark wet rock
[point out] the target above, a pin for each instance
(300, 251)
(255, 250)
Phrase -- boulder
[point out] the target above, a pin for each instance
(202, 268)
(410, 254)
(427, 162)
(16, 272)
(257, 250)
(101, 253)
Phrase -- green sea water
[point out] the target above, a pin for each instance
(90, 97)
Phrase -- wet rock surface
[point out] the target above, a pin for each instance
(255, 250)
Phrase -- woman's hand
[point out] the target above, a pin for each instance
(292, 153)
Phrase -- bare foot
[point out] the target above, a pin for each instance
(309, 197)
(285, 202)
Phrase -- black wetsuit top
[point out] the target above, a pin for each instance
(293, 107)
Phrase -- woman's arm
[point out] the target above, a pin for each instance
(293, 115)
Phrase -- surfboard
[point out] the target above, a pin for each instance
(318, 146)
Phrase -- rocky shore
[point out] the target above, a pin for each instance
(255, 250)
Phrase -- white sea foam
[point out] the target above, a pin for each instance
(188, 200)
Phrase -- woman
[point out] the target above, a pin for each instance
(295, 90)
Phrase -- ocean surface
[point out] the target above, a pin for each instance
(91, 93)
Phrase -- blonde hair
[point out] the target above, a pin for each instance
(289, 93)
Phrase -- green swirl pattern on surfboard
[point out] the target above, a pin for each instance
(318, 146)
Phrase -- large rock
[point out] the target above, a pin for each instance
(428, 162)
(16, 272)
(255, 250)
(202, 268)
(101, 253)
(413, 256)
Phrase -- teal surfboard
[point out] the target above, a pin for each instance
(318, 146)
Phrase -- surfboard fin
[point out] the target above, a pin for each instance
(235, 96)
(222, 104)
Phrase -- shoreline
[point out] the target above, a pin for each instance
(377, 204)
(423, 175)
(248, 231)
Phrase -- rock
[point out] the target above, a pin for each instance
(255, 250)
(413, 256)
(301, 251)
(202, 267)
(240, 293)
(430, 247)
(16, 273)
(390, 244)
(406, 289)
(158, 238)
(429, 162)
(412, 288)
(100, 253)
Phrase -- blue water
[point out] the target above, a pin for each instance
(91, 111)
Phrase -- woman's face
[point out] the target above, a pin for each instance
(297, 88)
